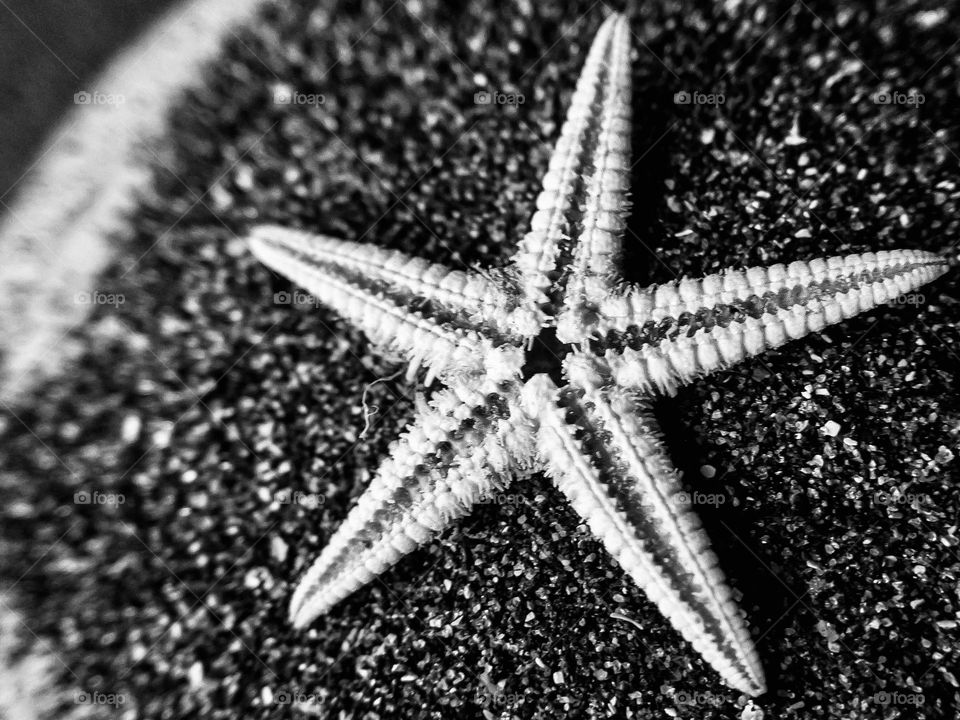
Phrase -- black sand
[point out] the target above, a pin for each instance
(178, 596)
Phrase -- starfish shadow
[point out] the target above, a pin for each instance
(650, 142)
(729, 527)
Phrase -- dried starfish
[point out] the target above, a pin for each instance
(550, 366)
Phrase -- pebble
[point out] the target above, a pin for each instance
(130, 430)
(278, 549)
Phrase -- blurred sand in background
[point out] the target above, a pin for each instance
(70, 170)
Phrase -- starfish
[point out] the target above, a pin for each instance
(551, 365)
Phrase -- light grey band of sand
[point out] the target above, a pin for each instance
(66, 222)
(70, 208)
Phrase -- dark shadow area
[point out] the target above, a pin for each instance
(731, 529)
(48, 50)
(650, 143)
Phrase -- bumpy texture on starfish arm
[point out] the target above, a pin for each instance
(379, 293)
(453, 454)
(603, 89)
(660, 337)
(605, 208)
(603, 450)
(460, 294)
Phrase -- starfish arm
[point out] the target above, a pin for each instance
(603, 451)
(378, 290)
(468, 294)
(459, 448)
(598, 244)
(661, 337)
(595, 102)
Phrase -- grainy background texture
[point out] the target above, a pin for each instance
(199, 398)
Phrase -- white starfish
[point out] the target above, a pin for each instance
(550, 366)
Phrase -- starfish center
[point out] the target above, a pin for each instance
(545, 355)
